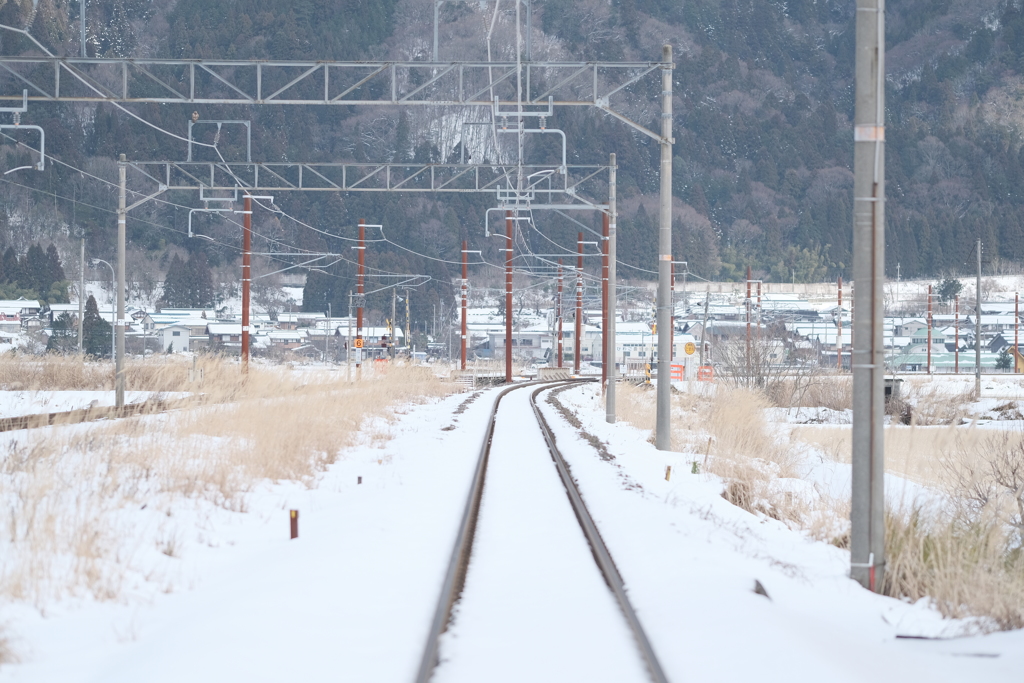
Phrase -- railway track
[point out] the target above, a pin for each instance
(80, 415)
(531, 591)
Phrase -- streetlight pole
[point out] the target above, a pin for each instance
(81, 292)
(113, 329)
(119, 320)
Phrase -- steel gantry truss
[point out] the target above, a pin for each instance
(549, 182)
(511, 90)
(320, 82)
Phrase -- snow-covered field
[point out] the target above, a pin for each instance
(224, 595)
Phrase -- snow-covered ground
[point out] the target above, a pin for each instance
(228, 597)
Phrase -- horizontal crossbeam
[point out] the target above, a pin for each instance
(561, 184)
(222, 81)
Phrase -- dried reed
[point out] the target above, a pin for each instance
(68, 486)
(966, 556)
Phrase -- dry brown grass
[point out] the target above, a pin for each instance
(933, 406)
(919, 454)
(7, 655)
(68, 487)
(967, 569)
(817, 389)
(726, 431)
(966, 555)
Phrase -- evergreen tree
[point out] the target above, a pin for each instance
(175, 285)
(33, 269)
(96, 332)
(54, 269)
(949, 287)
(200, 281)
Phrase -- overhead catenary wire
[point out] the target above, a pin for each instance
(214, 146)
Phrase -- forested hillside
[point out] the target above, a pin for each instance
(763, 154)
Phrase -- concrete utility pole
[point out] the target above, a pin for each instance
(929, 329)
(558, 313)
(360, 295)
(704, 326)
(605, 339)
(327, 336)
(122, 168)
(465, 288)
(663, 428)
(757, 328)
(81, 300)
(977, 329)
(839, 326)
(408, 325)
(246, 276)
(1016, 325)
(348, 342)
(956, 334)
(394, 323)
(672, 345)
(749, 277)
(81, 25)
(612, 284)
(867, 538)
(437, 19)
(578, 350)
(509, 229)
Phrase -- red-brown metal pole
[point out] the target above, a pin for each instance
(579, 305)
(929, 329)
(558, 312)
(1016, 322)
(607, 343)
(465, 291)
(360, 287)
(759, 310)
(509, 228)
(839, 327)
(956, 334)
(246, 277)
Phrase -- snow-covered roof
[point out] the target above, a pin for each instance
(19, 303)
(286, 335)
(224, 328)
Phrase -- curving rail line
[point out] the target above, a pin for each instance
(458, 565)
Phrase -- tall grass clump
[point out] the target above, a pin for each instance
(968, 568)
(66, 489)
(725, 428)
(962, 547)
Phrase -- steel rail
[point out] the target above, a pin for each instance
(455, 577)
(458, 565)
(602, 556)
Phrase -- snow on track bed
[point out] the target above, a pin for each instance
(534, 606)
(690, 559)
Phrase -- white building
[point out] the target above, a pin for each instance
(174, 338)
